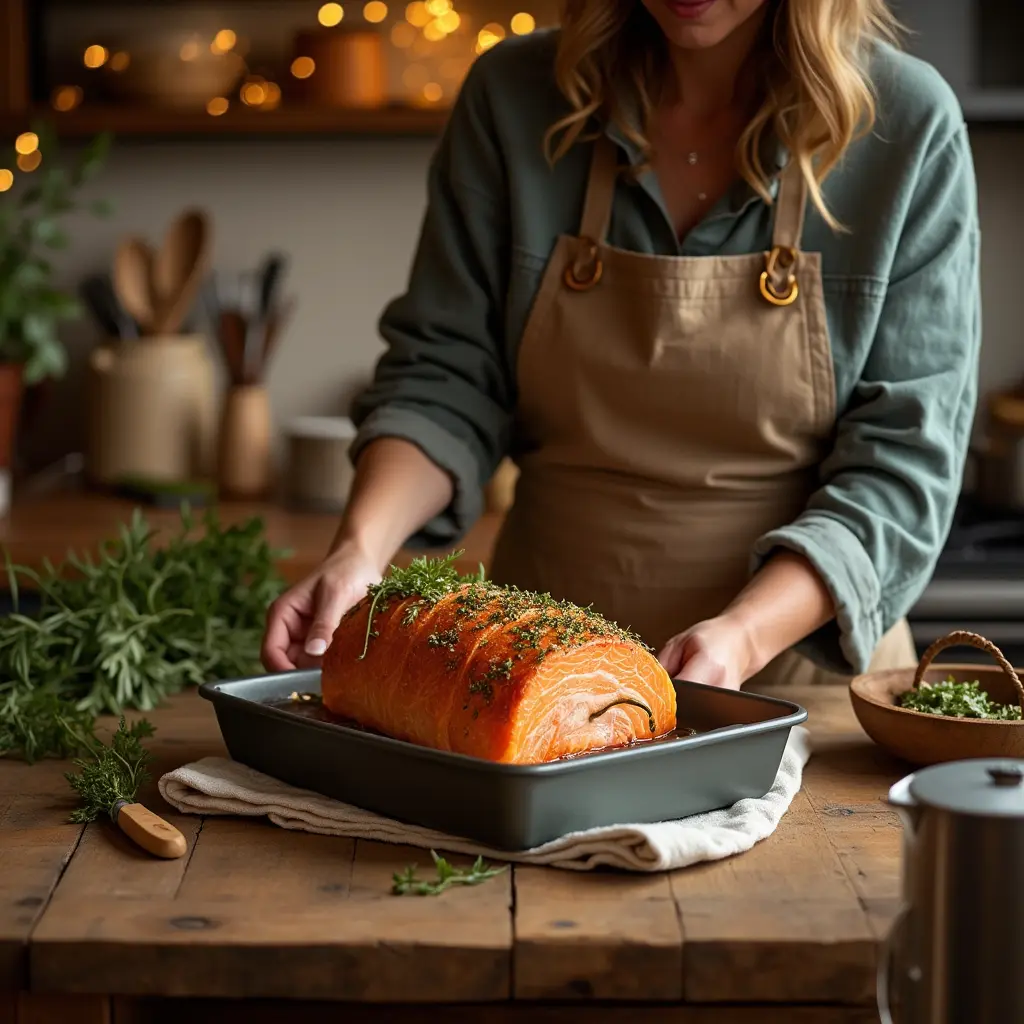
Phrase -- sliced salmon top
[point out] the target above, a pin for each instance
(492, 672)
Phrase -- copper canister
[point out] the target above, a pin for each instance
(350, 67)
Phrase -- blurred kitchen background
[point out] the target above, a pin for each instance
(304, 129)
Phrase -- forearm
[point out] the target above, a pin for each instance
(785, 602)
(396, 489)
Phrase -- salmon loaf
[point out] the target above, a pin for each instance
(464, 665)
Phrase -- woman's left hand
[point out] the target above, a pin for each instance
(716, 652)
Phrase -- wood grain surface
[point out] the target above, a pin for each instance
(255, 911)
(785, 932)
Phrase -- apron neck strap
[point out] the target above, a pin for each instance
(597, 207)
(790, 203)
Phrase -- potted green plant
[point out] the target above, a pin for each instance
(31, 306)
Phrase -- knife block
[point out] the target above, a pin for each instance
(245, 463)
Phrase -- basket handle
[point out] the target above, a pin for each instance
(964, 637)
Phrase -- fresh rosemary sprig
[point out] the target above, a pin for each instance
(112, 773)
(957, 700)
(429, 579)
(406, 883)
(130, 625)
(33, 725)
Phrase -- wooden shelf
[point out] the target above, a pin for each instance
(293, 121)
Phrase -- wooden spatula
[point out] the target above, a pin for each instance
(179, 269)
(133, 275)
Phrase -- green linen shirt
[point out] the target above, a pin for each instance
(902, 296)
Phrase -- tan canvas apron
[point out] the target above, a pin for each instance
(672, 410)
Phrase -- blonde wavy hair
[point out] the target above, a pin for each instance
(817, 96)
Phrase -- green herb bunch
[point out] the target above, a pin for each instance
(112, 773)
(31, 307)
(957, 700)
(131, 626)
(405, 883)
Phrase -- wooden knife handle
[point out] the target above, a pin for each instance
(150, 831)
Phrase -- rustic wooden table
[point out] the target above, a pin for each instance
(256, 919)
(93, 930)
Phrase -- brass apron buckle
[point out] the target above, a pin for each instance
(593, 269)
(784, 257)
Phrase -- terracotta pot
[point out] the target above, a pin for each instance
(12, 389)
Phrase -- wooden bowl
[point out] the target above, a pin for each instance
(923, 739)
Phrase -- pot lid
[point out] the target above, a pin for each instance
(986, 787)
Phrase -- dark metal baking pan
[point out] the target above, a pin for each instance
(735, 753)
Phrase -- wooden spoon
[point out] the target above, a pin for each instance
(180, 268)
(133, 266)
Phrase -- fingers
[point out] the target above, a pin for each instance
(285, 625)
(700, 668)
(333, 600)
(671, 656)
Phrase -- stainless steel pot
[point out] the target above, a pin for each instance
(955, 954)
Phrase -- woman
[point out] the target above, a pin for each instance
(708, 270)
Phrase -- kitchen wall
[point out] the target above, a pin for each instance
(348, 213)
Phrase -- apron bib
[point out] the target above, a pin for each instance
(671, 411)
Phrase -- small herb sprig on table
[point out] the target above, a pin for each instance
(111, 774)
(406, 883)
(129, 626)
(957, 700)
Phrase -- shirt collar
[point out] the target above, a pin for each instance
(775, 157)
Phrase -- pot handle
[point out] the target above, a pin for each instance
(883, 977)
(964, 637)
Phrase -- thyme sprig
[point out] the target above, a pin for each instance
(429, 579)
(406, 883)
(112, 773)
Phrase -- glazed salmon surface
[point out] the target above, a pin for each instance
(494, 673)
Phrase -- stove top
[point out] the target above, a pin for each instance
(979, 577)
(983, 544)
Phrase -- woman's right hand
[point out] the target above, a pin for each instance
(302, 621)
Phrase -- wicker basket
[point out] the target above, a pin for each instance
(923, 739)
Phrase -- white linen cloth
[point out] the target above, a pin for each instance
(218, 786)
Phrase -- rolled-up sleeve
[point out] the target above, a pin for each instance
(888, 489)
(442, 382)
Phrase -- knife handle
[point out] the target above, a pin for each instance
(150, 831)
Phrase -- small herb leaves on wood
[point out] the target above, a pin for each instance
(111, 774)
(957, 700)
(407, 884)
(129, 626)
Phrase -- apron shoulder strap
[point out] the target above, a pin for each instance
(597, 206)
(790, 204)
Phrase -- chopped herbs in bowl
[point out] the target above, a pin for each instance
(957, 700)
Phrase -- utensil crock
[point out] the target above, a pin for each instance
(245, 454)
(152, 409)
